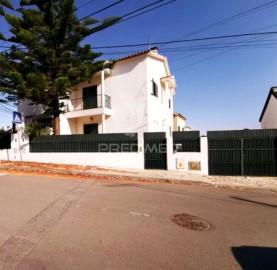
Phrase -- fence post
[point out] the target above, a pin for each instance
(241, 156)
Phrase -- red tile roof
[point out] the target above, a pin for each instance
(136, 54)
(180, 115)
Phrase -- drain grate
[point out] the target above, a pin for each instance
(191, 222)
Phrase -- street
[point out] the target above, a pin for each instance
(66, 223)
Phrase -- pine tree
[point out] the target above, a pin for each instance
(46, 59)
(4, 3)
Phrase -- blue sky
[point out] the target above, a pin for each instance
(220, 83)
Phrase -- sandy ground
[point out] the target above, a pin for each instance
(177, 177)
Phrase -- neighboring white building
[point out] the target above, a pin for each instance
(179, 122)
(136, 95)
(268, 116)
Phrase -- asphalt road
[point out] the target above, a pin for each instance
(59, 223)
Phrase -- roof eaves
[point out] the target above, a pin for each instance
(135, 54)
(180, 115)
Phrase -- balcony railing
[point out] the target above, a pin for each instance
(92, 102)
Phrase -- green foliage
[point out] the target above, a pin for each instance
(7, 4)
(36, 128)
(48, 59)
(4, 3)
(3, 131)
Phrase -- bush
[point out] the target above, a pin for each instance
(36, 128)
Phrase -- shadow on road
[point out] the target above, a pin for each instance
(251, 201)
(231, 199)
(256, 258)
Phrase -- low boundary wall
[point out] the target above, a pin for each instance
(194, 162)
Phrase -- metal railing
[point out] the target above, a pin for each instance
(89, 103)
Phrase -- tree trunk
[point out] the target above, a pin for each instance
(56, 124)
(56, 115)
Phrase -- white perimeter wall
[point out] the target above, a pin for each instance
(125, 160)
(185, 157)
(115, 160)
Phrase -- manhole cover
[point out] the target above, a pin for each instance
(191, 222)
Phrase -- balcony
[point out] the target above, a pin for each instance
(89, 106)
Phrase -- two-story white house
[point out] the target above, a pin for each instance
(136, 95)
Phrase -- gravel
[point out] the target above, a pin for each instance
(241, 182)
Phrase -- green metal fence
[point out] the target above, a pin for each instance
(155, 150)
(116, 142)
(186, 141)
(243, 152)
(5, 140)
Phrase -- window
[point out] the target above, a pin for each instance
(91, 129)
(169, 103)
(154, 89)
(179, 128)
(90, 97)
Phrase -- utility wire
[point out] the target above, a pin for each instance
(185, 40)
(100, 10)
(132, 12)
(128, 14)
(231, 18)
(205, 59)
(77, 8)
(142, 8)
(199, 47)
(96, 12)
(85, 4)
(205, 47)
(200, 61)
(5, 109)
(141, 13)
(255, 31)
(249, 40)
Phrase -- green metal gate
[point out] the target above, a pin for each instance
(243, 152)
(155, 150)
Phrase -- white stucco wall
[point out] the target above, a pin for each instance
(185, 157)
(133, 160)
(127, 87)
(270, 116)
(160, 116)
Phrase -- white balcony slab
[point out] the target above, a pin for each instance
(89, 112)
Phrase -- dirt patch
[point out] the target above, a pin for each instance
(151, 176)
(84, 172)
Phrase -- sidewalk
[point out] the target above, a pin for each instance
(178, 177)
